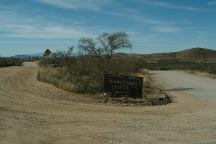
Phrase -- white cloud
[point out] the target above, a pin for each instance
(170, 5)
(78, 4)
(45, 32)
(20, 26)
(167, 29)
(212, 3)
(137, 17)
(157, 25)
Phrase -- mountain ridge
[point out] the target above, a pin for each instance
(192, 54)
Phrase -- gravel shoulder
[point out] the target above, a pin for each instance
(33, 112)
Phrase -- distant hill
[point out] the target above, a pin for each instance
(40, 55)
(194, 55)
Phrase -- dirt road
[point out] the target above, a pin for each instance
(32, 112)
(188, 83)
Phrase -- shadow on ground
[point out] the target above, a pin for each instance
(180, 89)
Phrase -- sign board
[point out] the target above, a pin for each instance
(120, 85)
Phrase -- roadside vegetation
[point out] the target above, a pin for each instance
(5, 62)
(84, 73)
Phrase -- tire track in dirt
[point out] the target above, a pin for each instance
(33, 112)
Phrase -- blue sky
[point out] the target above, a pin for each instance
(31, 26)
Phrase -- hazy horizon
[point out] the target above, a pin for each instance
(154, 26)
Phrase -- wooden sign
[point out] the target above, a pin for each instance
(120, 85)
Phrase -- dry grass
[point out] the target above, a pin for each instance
(151, 89)
(56, 77)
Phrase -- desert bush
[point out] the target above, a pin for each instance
(86, 71)
(5, 62)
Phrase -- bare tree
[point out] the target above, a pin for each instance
(111, 42)
(108, 44)
(88, 46)
(67, 57)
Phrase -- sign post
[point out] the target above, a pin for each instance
(123, 86)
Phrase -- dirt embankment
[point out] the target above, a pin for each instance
(33, 112)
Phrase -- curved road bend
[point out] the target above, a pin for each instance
(32, 112)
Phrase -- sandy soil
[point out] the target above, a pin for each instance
(32, 112)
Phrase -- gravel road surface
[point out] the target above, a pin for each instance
(33, 112)
(190, 84)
